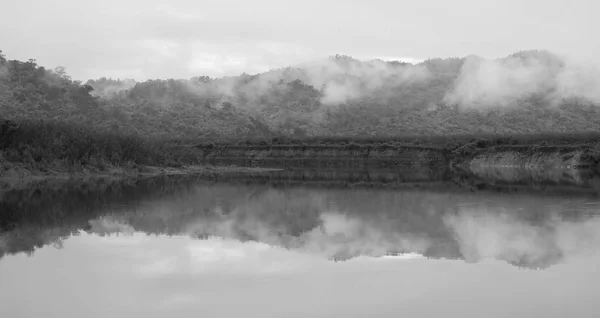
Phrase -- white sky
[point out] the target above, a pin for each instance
(182, 38)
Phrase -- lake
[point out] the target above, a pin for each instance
(304, 244)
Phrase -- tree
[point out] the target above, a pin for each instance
(61, 72)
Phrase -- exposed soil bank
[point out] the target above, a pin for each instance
(574, 183)
(332, 156)
(540, 157)
(470, 156)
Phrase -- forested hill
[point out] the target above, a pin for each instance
(530, 91)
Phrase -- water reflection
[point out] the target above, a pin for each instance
(416, 245)
(141, 275)
(331, 223)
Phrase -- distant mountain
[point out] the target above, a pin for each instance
(529, 91)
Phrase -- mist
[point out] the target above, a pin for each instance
(470, 82)
(343, 79)
(508, 81)
(338, 79)
(108, 87)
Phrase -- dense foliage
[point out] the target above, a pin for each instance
(43, 145)
(338, 97)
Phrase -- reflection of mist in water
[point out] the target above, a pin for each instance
(108, 225)
(496, 234)
(330, 223)
(335, 235)
(340, 236)
(483, 235)
(474, 233)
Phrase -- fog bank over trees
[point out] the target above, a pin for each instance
(529, 91)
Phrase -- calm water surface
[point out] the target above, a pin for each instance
(229, 248)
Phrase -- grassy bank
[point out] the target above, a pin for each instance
(40, 144)
(31, 151)
(33, 148)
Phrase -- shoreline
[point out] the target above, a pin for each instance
(499, 162)
(502, 179)
(469, 155)
(22, 177)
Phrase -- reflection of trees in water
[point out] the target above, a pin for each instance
(339, 223)
(51, 211)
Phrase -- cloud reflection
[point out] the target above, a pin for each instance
(477, 233)
(498, 234)
(327, 224)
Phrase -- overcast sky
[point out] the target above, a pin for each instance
(181, 38)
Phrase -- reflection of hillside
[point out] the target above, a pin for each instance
(335, 222)
(46, 212)
(558, 182)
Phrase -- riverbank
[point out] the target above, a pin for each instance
(324, 156)
(473, 156)
(14, 176)
(34, 150)
(503, 163)
(540, 157)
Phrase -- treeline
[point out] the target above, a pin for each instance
(42, 145)
(344, 97)
(66, 207)
(337, 98)
(29, 91)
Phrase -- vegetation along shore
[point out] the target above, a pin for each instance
(54, 126)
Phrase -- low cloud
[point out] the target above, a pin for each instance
(507, 81)
(479, 82)
(344, 79)
(339, 79)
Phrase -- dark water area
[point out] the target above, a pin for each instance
(305, 243)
